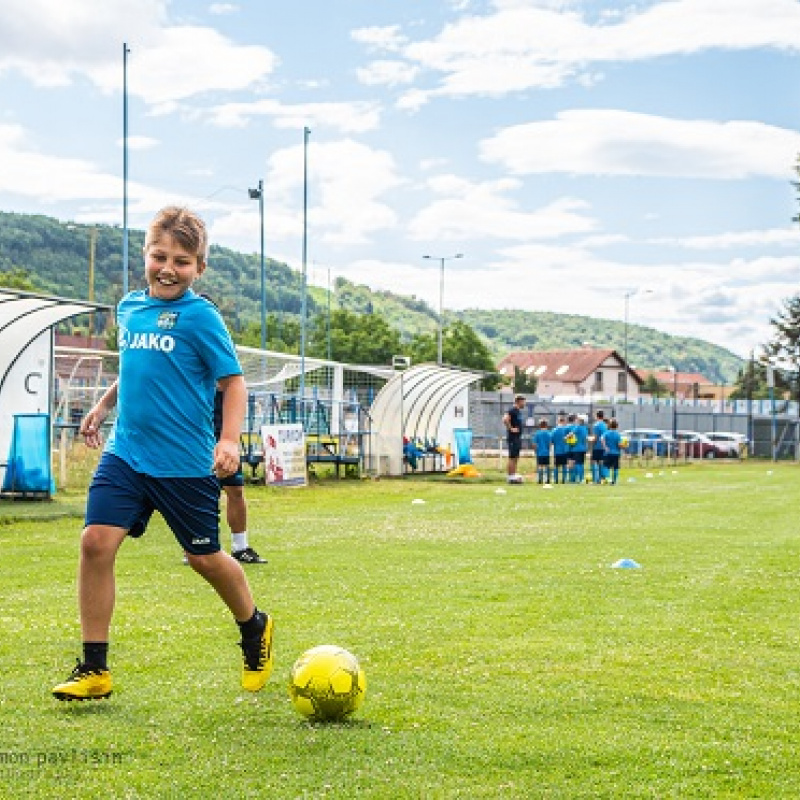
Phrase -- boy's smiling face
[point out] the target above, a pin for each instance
(170, 269)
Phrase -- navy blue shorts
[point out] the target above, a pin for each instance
(124, 498)
(560, 459)
(543, 461)
(598, 455)
(514, 446)
(579, 457)
(611, 461)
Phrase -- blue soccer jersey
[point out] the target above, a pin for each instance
(582, 438)
(171, 352)
(611, 441)
(599, 430)
(541, 441)
(559, 434)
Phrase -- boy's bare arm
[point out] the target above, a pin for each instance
(234, 403)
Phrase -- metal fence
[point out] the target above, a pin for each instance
(770, 436)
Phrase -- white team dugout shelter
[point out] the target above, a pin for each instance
(27, 321)
(426, 402)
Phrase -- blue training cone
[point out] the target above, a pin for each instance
(625, 563)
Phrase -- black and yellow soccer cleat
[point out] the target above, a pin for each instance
(85, 683)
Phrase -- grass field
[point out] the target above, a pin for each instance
(505, 657)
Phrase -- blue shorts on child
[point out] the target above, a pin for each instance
(123, 498)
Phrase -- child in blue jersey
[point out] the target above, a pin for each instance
(560, 450)
(541, 444)
(598, 451)
(162, 456)
(612, 446)
(580, 447)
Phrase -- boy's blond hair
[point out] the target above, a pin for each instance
(184, 226)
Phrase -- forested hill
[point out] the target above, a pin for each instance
(54, 257)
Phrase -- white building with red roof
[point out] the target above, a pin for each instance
(586, 373)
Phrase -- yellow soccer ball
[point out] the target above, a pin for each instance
(327, 683)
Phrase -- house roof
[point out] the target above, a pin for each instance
(566, 366)
(669, 377)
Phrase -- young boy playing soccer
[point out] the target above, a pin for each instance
(612, 445)
(598, 452)
(161, 456)
(541, 444)
(560, 450)
(581, 432)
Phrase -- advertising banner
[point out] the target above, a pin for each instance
(284, 454)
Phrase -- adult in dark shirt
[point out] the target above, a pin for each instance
(514, 422)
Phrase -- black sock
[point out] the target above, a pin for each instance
(252, 628)
(95, 654)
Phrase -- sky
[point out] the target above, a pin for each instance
(581, 156)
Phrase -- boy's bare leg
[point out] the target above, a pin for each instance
(96, 586)
(228, 579)
(235, 508)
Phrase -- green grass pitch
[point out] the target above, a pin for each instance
(505, 658)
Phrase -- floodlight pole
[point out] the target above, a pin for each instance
(441, 260)
(258, 194)
(125, 51)
(303, 304)
(675, 403)
(627, 297)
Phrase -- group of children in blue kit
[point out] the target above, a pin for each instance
(561, 452)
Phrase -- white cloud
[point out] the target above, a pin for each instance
(522, 45)
(469, 210)
(55, 42)
(785, 237)
(387, 73)
(346, 183)
(25, 172)
(386, 38)
(140, 142)
(355, 117)
(610, 142)
(222, 9)
(28, 175)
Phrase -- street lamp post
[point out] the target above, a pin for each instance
(674, 403)
(627, 297)
(92, 259)
(258, 194)
(441, 260)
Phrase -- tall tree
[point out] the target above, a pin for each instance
(17, 279)
(524, 383)
(783, 349)
(354, 338)
(461, 347)
(653, 387)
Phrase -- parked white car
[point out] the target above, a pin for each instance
(698, 445)
(739, 440)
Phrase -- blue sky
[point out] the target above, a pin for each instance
(574, 151)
